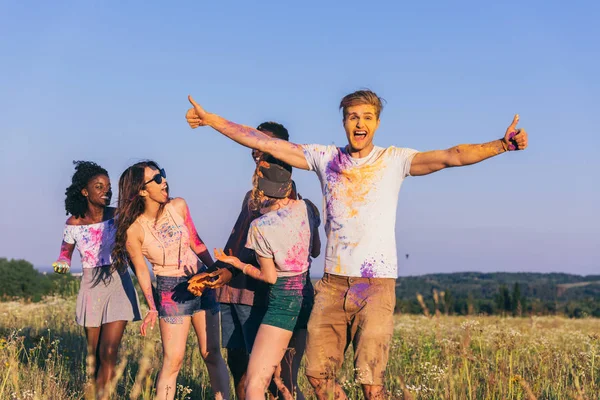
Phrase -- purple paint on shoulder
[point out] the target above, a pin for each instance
(338, 163)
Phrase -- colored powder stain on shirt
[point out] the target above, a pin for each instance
(297, 257)
(338, 266)
(94, 242)
(265, 220)
(285, 236)
(360, 202)
(167, 243)
(284, 212)
(349, 185)
(366, 270)
(95, 235)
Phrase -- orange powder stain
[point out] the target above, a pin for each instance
(338, 266)
(355, 184)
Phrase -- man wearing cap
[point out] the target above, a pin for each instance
(243, 300)
(355, 300)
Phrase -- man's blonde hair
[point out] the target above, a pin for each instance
(359, 97)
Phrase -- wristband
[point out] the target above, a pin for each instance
(154, 310)
(244, 269)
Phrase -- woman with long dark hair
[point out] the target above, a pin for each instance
(153, 226)
(107, 299)
(284, 239)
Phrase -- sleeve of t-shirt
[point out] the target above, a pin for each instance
(404, 157)
(68, 235)
(257, 242)
(314, 154)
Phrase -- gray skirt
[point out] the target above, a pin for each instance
(104, 297)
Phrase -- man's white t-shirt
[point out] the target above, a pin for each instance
(360, 202)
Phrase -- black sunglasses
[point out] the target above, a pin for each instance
(158, 178)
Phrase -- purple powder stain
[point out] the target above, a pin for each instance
(366, 270)
(358, 293)
(265, 220)
(512, 143)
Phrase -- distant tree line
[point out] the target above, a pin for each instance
(467, 293)
(20, 280)
(507, 294)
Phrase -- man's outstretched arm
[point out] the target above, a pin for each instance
(466, 154)
(283, 150)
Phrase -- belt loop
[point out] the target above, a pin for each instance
(326, 277)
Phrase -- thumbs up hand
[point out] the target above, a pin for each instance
(196, 116)
(515, 138)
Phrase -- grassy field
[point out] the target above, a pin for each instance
(42, 356)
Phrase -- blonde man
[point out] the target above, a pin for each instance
(355, 300)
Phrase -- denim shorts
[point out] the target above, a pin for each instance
(174, 301)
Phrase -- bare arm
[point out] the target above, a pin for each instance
(196, 242)
(467, 154)
(66, 252)
(283, 150)
(63, 262)
(134, 249)
(266, 273)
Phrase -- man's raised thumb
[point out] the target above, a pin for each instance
(513, 125)
(193, 102)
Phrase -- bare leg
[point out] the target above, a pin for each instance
(108, 346)
(374, 392)
(326, 389)
(291, 363)
(174, 338)
(268, 350)
(207, 327)
(92, 334)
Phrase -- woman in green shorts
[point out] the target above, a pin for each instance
(284, 238)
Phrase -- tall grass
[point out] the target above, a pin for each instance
(42, 356)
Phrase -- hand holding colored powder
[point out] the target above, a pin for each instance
(197, 283)
(61, 267)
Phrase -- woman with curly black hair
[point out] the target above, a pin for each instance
(107, 298)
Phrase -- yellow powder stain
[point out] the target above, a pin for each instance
(356, 183)
(338, 266)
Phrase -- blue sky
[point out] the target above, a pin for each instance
(107, 81)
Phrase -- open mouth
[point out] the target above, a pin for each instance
(105, 198)
(360, 135)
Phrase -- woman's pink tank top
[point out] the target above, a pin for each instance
(167, 244)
